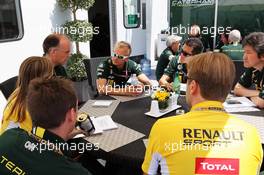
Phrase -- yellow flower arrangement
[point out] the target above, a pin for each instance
(161, 95)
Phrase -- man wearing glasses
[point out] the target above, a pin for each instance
(57, 49)
(114, 72)
(206, 140)
(177, 66)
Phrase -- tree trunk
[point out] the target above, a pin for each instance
(76, 43)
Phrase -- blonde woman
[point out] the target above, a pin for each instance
(15, 112)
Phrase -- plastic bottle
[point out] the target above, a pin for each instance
(176, 84)
(145, 65)
(134, 80)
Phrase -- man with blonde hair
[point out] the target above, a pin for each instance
(206, 140)
(113, 73)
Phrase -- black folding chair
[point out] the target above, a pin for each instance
(91, 68)
(88, 71)
(92, 90)
(240, 69)
(7, 87)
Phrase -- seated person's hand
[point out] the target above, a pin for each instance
(259, 102)
(75, 132)
(168, 86)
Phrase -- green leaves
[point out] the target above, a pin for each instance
(76, 4)
(79, 30)
(76, 68)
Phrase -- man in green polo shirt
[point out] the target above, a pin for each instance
(192, 46)
(173, 44)
(113, 73)
(234, 49)
(253, 46)
(52, 104)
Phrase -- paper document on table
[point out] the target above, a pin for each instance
(257, 121)
(102, 103)
(235, 102)
(241, 109)
(103, 123)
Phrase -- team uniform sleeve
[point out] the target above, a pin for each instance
(246, 78)
(136, 68)
(257, 151)
(261, 93)
(171, 68)
(152, 156)
(103, 70)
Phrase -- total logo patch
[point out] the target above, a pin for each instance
(216, 166)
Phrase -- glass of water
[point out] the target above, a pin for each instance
(180, 111)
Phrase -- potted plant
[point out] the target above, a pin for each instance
(77, 31)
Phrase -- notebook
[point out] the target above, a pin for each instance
(103, 123)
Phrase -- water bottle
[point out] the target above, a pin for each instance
(145, 64)
(134, 80)
(176, 84)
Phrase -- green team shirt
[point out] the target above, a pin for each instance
(163, 61)
(235, 52)
(19, 156)
(255, 77)
(175, 68)
(107, 70)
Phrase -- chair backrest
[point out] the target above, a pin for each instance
(88, 68)
(91, 68)
(240, 69)
(7, 87)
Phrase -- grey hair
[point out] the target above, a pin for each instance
(172, 39)
(234, 36)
